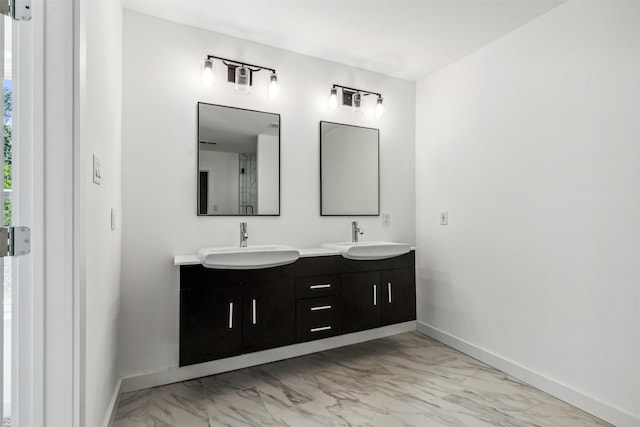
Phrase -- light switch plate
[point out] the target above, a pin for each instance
(113, 219)
(97, 172)
(444, 218)
(386, 219)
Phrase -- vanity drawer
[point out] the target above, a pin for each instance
(318, 318)
(317, 286)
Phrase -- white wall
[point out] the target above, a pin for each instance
(268, 158)
(161, 86)
(99, 98)
(532, 144)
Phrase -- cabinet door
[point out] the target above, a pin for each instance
(269, 315)
(399, 296)
(210, 323)
(361, 301)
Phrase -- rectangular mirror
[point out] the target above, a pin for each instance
(238, 161)
(349, 170)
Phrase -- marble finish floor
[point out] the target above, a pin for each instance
(403, 380)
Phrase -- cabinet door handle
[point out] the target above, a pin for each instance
(323, 328)
(230, 315)
(328, 285)
(389, 289)
(375, 294)
(321, 307)
(254, 319)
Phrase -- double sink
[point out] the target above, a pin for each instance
(264, 256)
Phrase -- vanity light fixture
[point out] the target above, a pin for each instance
(243, 80)
(379, 107)
(208, 73)
(354, 98)
(274, 87)
(240, 74)
(356, 101)
(333, 98)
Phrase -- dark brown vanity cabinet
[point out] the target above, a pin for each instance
(210, 323)
(378, 298)
(268, 315)
(318, 313)
(399, 295)
(361, 305)
(226, 313)
(230, 312)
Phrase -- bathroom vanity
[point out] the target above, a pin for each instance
(226, 313)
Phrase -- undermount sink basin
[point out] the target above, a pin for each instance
(247, 258)
(369, 250)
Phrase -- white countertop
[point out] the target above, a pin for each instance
(186, 260)
(304, 253)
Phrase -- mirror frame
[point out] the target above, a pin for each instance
(198, 160)
(378, 167)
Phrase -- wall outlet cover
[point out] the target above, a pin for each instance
(386, 219)
(444, 218)
(97, 172)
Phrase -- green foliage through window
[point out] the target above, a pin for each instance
(8, 156)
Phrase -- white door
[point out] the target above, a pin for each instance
(5, 200)
(36, 347)
(46, 356)
(5, 203)
(9, 234)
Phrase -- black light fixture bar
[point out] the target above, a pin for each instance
(354, 90)
(240, 73)
(234, 63)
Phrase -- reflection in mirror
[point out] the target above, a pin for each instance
(238, 161)
(349, 170)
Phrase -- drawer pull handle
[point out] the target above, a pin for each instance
(321, 307)
(230, 315)
(375, 294)
(389, 289)
(254, 320)
(328, 285)
(323, 328)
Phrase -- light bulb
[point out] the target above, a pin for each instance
(356, 101)
(208, 75)
(379, 107)
(274, 87)
(333, 99)
(243, 79)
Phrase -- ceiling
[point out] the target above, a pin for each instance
(403, 39)
(233, 130)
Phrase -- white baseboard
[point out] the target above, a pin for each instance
(600, 409)
(112, 409)
(184, 373)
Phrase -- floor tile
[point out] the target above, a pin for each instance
(403, 380)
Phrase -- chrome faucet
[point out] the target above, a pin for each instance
(243, 235)
(354, 231)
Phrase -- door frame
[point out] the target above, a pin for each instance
(47, 351)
